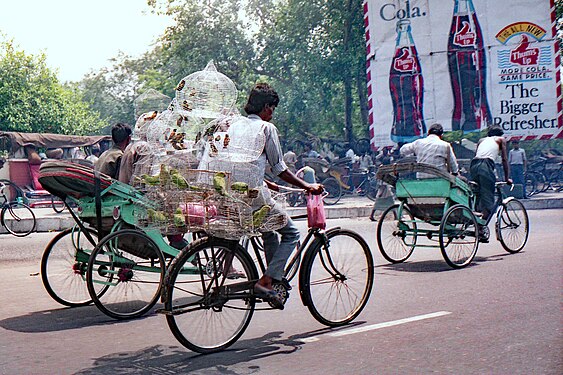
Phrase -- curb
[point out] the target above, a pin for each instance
(58, 222)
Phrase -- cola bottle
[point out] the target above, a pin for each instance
(407, 88)
(467, 65)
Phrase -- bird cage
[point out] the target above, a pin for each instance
(150, 100)
(206, 93)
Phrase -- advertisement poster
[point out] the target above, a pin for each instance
(465, 64)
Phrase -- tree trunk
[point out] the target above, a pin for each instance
(361, 83)
(348, 129)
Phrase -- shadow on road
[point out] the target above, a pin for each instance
(60, 320)
(435, 265)
(175, 359)
(423, 266)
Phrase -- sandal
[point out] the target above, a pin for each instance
(269, 295)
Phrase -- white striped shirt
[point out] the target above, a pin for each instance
(272, 147)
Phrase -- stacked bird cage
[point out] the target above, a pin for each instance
(191, 200)
(150, 100)
(206, 93)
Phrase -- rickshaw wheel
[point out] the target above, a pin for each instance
(63, 267)
(396, 236)
(459, 236)
(131, 266)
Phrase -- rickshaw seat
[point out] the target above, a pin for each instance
(70, 179)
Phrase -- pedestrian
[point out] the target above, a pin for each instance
(518, 162)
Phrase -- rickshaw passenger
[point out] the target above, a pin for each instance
(483, 168)
(109, 160)
(434, 151)
(138, 150)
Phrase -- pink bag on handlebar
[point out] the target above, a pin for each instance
(315, 211)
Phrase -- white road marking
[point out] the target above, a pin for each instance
(372, 327)
(388, 324)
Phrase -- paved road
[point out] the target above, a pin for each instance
(501, 315)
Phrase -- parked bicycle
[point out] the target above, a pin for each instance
(339, 178)
(17, 217)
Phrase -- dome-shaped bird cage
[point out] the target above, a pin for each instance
(206, 94)
(150, 100)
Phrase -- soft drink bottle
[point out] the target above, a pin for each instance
(467, 65)
(407, 88)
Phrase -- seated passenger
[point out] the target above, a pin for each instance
(137, 151)
(434, 151)
(109, 160)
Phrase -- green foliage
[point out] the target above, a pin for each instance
(312, 52)
(33, 100)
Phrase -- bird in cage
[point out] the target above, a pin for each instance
(226, 141)
(220, 183)
(213, 151)
(178, 141)
(260, 214)
(180, 85)
(186, 105)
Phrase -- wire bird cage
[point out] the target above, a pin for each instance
(174, 131)
(190, 200)
(206, 93)
(150, 100)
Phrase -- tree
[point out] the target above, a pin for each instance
(315, 51)
(33, 100)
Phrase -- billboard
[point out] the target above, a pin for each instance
(465, 64)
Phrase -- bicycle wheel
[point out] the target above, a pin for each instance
(459, 236)
(14, 190)
(131, 266)
(554, 180)
(396, 237)
(200, 313)
(512, 226)
(18, 219)
(57, 204)
(336, 277)
(333, 190)
(371, 188)
(531, 186)
(63, 267)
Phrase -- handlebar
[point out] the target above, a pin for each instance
(502, 183)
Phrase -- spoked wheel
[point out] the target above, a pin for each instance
(18, 219)
(333, 190)
(63, 267)
(57, 204)
(131, 266)
(459, 236)
(372, 188)
(336, 277)
(207, 310)
(512, 226)
(396, 234)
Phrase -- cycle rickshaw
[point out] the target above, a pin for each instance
(441, 209)
(207, 306)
